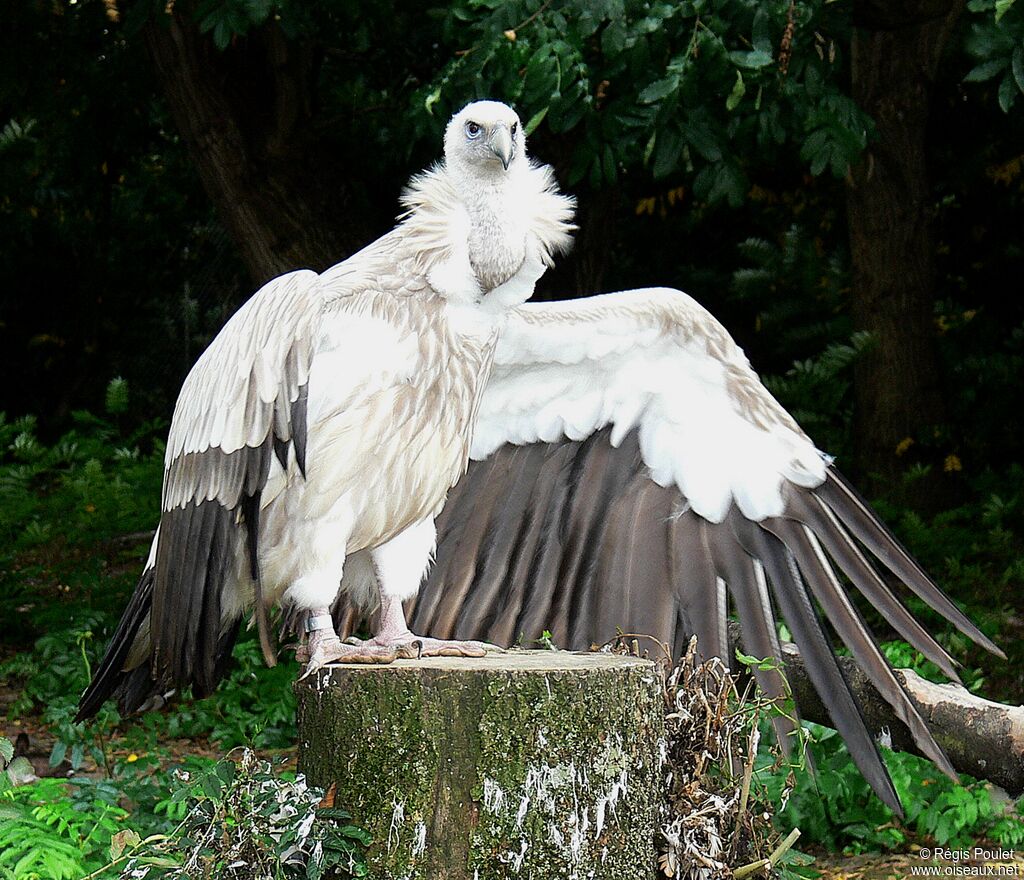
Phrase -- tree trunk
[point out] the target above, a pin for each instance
(896, 50)
(534, 764)
(245, 116)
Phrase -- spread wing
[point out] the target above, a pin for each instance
(633, 474)
(242, 405)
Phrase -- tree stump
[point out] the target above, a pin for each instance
(533, 764)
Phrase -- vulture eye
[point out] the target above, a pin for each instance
(515, 128)
(472, 130)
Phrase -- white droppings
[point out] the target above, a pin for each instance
(515, 859)
(419, 839)
(609, 800)
(397, 819)
(494, 797)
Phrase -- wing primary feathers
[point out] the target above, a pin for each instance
(745, 578)
(854, 633)
(209, 656)
(621, 554)
(281, 451)
(525, 593)
(250, 509)
(508, 535)
(612, 469)
(809, 509)
(109, 673)
(855, 514)
(543, 588)
(648, 603)
(822, 667)
(701, 601)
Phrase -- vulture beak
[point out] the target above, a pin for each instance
(502, 145)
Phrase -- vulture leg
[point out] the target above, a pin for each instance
(323, 646)
(400, 565)
(393, 634)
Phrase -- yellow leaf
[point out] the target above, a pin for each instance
(904, 445)
(952, 463)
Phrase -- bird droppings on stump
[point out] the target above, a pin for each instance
(537, 764)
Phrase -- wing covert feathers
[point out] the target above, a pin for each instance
(575, 538)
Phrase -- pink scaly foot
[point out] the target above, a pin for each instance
(323, 646)
(394, 634)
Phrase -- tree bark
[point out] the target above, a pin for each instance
(245, 115)
(896, 51)
(535, 764)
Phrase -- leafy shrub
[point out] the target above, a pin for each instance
(243, 821)
(254, 705)
(57, 831)
(205, 819)
(836, 808)
(93, 482)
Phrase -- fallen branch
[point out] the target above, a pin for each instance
(981, 737)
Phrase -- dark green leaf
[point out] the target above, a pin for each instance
(986, 70)
(739, 89)
(754, 59)
(659, 89)
(667, 149)
(1007, 93)
(1018, 67)
(703, 139)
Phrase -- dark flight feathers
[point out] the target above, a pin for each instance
(575, 538)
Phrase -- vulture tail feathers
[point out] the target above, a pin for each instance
(820, 660)
(854, 512)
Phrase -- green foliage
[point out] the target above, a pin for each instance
(51, 830)
(835, 807)
(996, 43)
(641, 85)
(204, 819)
(94, 482)
(244, 821)
(253, 706)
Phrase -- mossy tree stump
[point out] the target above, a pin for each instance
(533, 764)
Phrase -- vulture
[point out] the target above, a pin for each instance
(627, 470)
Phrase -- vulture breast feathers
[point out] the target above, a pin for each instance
(631, 473)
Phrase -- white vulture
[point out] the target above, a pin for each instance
(630, 472)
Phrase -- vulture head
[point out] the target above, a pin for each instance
(484, 139)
